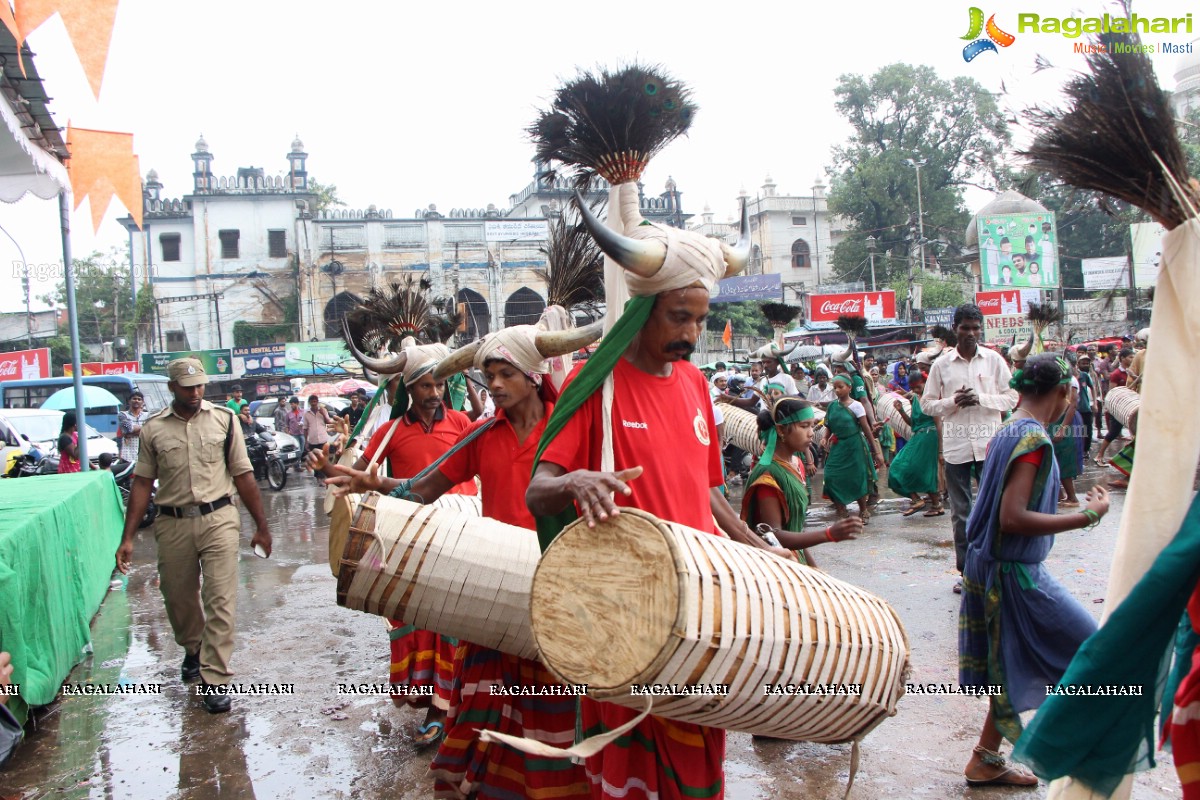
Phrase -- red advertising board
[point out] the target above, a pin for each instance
(875, 306)
(103, 368)
(1004, 302)
(24, 365)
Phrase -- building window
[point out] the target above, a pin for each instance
(799, 221)
(229, 243)
(277, 244)
(464, 234)
(170, 246)
(345, 237)
(800, 255)
(403, 235)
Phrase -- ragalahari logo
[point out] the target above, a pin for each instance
(995, 36)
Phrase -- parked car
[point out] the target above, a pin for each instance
(22, 427)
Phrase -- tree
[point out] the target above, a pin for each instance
(326, 196)
(936, 292)
(747, 319)
(907, 112)
(103, 305)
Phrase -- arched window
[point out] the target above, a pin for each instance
(756, 261)
(478, 315)
(337, 308)
(524, 307)
(800, 255)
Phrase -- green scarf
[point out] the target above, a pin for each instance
(362, 421)
(456, 390)
(586, 383)
(795, 493)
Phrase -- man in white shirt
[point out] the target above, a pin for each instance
(968, 388)
(772, 356)
(821, 393)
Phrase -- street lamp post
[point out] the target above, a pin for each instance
(871, 250)
(920, 211)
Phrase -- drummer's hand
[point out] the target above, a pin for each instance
(592, 492)
(784, 553)
(847, 528)
(896, 404)
(723, 398)
(318, 458)
(1097, 500)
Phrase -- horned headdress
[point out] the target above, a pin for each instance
(527, 347)
(609, 125)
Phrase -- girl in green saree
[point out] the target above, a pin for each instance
(776, 495)
(854, 455)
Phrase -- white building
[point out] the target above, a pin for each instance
(1186, 96)
(792, 235)
(245, 248)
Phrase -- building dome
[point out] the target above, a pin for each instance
(297, 145)
(671, 186)
(1187, 81)
(1009, 202)
(201, 145)
(152, 176)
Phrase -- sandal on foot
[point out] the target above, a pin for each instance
(1009, 775)
(911, 511)
(1068, 504)
(429, 733)
(936, 511)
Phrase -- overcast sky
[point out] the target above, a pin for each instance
(403, 104)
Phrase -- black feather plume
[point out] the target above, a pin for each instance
(1117, 122)
(780, 315)
(943, 333)
(390, 314)
(1043, 314)
(612, 123)
(575, 273)
(852, 324)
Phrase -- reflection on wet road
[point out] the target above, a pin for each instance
(316, 743)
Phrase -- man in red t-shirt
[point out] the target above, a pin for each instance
(1117, 377)
(412, 442)
(666, 460)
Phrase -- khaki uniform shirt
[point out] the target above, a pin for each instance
(188, 456)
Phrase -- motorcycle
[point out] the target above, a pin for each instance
(123, 473)
(266, 459)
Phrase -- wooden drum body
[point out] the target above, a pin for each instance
(444, 569)
(741, 430)
(889, 414)
(1123, 405)
(637, 601)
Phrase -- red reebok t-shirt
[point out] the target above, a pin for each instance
(504, 467)
(665, 426)
(412, 449)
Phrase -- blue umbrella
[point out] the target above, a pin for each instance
(93, 397)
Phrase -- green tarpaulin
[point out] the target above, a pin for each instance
(58, 540)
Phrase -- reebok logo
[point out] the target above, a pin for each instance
(640, 425)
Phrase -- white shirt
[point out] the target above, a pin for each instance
(783, 379)
(967, 431)
(818, 395)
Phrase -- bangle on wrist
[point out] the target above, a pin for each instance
(1093, 519)
(829, 534)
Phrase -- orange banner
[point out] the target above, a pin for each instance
(102, 164)
(89, 23)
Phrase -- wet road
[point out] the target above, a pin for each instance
(318, 744)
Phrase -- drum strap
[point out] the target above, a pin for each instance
(585, 749)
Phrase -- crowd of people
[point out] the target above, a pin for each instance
(974, 416)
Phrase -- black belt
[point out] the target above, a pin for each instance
(195, 511)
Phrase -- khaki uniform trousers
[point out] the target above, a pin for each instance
(189, 547)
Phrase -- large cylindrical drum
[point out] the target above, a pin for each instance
(447, 570)
(741, 430)
(887, 410)
(637, 602)
(1123, 405)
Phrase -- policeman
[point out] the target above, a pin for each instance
(196, 452)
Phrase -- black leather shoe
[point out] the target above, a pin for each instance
(215, 702)
(191, 666)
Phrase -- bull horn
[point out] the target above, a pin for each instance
(558, 343)
(844, 356)
(1022, 353)
(456, 362)
(387, 366)
(738, 256)
(785, 353)
(643, 258)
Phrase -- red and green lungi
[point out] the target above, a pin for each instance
(421, 658)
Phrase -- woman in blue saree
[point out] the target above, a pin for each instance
(1019, 628)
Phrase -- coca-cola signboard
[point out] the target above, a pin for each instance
(1008, 301)
(25, 365)
(875, 306)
